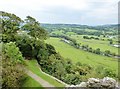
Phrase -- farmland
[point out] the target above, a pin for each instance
(104, 37)
(69, 41)
(77, 55)
(103, 45)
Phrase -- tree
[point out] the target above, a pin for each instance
(83, 47)
(12, 52)
(58, 68)
(10, 26)
(90, 49)
(34, 29)
(86, 47)
(12, 66)
(25, 44)
(13, 74)
(68, 66)
(111, 42)
(114, 54)
(92, 37)
(97, 51)
(96, 38)
(107, 52)
(86, 37)
(51, 49)
(73, 79)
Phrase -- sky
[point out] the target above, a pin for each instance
(84, 12)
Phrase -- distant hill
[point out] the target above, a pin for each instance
(100, 27)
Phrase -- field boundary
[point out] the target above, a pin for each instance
(80, 48)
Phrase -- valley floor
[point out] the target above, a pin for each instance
(77, 55)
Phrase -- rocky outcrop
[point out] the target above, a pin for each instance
(93, 83)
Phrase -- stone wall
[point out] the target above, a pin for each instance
(93, 83)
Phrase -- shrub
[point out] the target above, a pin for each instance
(100, 70)
(12, 52)
(12, 73)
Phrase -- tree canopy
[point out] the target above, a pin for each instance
(33, 28)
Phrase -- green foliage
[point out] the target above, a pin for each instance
(107, 52)
(97, 51)
(83, 57)
(25, 45)
(73, 79)
(10, 26)
(12, 73)
(12, 66)
(33, 28)
(12, 52)
(86, 37)
(111, 42)
(51, 49)
(103, 72)
(55, 63)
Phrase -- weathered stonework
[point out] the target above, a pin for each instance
(93, 83)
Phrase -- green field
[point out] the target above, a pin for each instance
(103, 45)
(90, 30)
(33, 66)
(58, 32)
(77, 55)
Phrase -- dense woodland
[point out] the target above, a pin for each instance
(18, 46)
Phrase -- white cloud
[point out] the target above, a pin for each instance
(101, 10)
(40, 4)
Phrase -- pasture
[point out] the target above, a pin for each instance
(77, 55)
(103, 45)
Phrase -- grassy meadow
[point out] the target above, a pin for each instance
(103, 45)
(77, 55)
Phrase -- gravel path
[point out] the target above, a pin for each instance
(42, 82)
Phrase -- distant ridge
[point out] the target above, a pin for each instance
(98, 27)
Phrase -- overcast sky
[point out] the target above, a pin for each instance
(87, 12)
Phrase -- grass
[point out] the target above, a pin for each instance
(32, 65)
(77, 55)
(30, 82)
(103, 45)
(70, 33)
(91, 30)
(58, 32)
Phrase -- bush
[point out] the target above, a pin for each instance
(73, 79)
(12, 52)
(100, 70)
(12, 73)
(12, 66)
